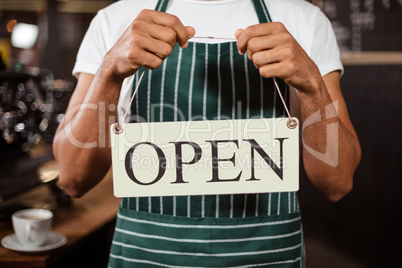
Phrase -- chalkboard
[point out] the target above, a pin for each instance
(366, 25)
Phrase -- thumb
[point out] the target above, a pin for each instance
(241, 44)
(238, 33)
(190, 31)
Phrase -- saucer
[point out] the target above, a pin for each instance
(55, 240)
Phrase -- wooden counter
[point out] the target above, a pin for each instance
(87, 223)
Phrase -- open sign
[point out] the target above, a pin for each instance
(205, 157)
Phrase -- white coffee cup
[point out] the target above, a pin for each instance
(32, 226)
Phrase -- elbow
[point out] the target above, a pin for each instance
(343, 182)
(80, 168)
(70, 179)
(68, 171)
(338, 186)
(71, 186)
(77, 179)
(333, 186)
(336, 194)
(334, 182)
(76, 176)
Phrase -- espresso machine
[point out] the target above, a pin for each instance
(32, 104)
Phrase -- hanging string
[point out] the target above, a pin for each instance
(118, 127)
(135, 93)
(280, 95)
(292, 123)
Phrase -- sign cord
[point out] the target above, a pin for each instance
(292, 123)
(118, 128)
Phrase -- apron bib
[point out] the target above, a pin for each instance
(208, 82)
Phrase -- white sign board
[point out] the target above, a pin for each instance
(205, 157)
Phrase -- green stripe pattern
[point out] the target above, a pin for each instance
(167, 241)
(206, 81)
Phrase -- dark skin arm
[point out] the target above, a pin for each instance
(330, 159)
(81, 142)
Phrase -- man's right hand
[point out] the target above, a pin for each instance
(149, 39)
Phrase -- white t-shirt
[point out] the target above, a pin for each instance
(221, 18)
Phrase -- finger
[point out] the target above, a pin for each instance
(190, 33)
(262, 43)
(272, 70)
(147, 51)
(251, 32)
(169, 35)
(162, 33)
(266, 57)
(157, 47)
(149, 60)
(241, 41)
(174, 23)
(137, 58)
(238, 33)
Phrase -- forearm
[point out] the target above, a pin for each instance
(81, 144)
(82, 141)
(331, 150)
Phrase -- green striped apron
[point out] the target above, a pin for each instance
(208, 81)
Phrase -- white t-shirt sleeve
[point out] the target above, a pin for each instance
(93, 48)
(325, 51)
(311, 28)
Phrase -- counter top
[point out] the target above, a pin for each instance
(78, 221)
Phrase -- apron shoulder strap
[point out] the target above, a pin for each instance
(162, 5)
(262, 11)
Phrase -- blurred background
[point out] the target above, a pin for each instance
(38, 43)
